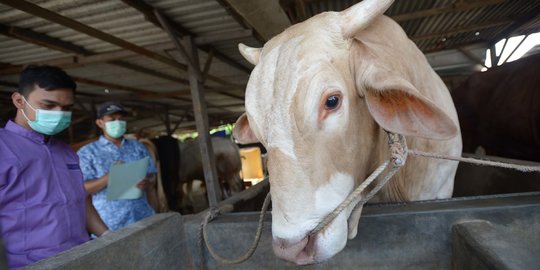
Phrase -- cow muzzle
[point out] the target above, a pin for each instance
(313, 248)
(300, 252)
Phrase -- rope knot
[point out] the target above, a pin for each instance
(398, 149)
(212, 213)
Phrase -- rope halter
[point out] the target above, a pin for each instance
(398, 157)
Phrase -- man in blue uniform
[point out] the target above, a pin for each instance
(96, 159)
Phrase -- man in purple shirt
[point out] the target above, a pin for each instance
(44, 208)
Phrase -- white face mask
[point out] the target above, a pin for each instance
(48, 122)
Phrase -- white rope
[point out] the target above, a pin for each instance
(211, 214)
(354, 196)
(523, 168)
(398, 152)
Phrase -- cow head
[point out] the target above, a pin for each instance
(317, 99)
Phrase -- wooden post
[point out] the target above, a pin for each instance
(493, 55)
(167, 122)
(191, 56)
(213, 189)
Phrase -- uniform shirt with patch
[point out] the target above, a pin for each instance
(42, 197)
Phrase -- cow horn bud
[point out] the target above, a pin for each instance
(249, 53)
(361, 15)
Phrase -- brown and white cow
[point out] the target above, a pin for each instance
(319, 99)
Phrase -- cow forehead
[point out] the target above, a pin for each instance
(275, 80)
(270, 93)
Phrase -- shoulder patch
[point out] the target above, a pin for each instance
(73, 166)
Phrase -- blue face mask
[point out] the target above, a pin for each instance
(115, 128)
(48, 122)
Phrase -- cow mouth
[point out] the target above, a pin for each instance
(302, 252)
(315, 248)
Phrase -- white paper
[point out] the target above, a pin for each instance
(123, 179)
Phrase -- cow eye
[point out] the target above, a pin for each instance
(332, 102)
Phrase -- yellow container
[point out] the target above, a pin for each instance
(252, 169)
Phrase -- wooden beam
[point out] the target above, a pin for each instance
(519, 21)
(42, 40)
(207, 65)
(456, 7)
(138, 91)
(460, 30)
(179, 30)
(223, 36)
(164, 21)
(213, 189)
(438, 48)
(267, 18)
(78, 61)
(57, 44)
(231, 95)
(472, 57)
(148, 71)
(493, 56)
(112, 86)
(230, 105)
(167, 123)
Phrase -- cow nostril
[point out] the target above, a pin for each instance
(310, 247)
(283, 243)
(300, 252)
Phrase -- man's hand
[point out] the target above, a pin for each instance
(149, 186)
(143, 184)
(94, 223)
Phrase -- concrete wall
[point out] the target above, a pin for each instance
(157, 242)
(3, 262)
(393, 236)
(397, 236)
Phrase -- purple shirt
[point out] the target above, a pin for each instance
(42, 198)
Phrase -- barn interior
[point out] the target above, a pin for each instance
(175, 66)
(121, 50)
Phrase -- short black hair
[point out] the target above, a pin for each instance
(46, 77)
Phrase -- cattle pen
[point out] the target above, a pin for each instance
(483, 232)
(302, 94)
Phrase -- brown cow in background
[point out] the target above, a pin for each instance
(500, 110)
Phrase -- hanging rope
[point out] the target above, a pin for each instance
(211, 214)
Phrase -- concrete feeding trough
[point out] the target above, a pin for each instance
(484, 232)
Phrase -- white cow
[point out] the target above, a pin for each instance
(319, 99)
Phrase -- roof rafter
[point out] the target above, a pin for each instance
(38, 11)
(455, 7)
(87, 57)
(459, 30)
(149, 15)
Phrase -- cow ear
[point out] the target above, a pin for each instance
(242, 131)
(397, 106)
(249, 53)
